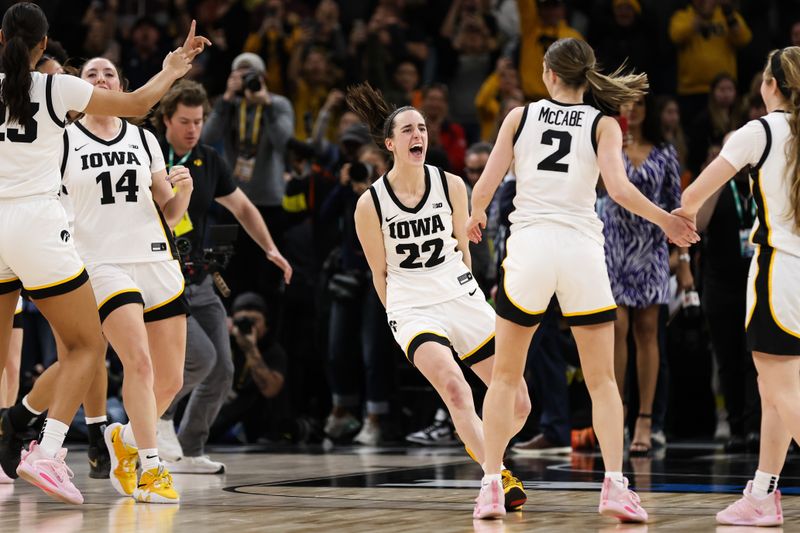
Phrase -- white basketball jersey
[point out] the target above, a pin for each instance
(30, 152)
(424, 265)
(762, 144)
(555, 161)
(108, 188)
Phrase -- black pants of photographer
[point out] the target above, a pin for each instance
(259, 416)
(208, 372)
(359, 325)
(250, 270)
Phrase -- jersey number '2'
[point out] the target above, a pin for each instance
(553, 161)
(413, 251)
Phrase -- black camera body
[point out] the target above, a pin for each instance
(215, 256)
(251, 81)
(360, 172)
(244, 324)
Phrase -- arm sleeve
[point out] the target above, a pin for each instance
(742, 37)
(681, 26)
(156, 155)
(746, 145)
(279, 121)
(70, 93)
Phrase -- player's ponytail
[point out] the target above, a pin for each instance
(368, 103)
(784, 66)
(24, 27)
(574, 62)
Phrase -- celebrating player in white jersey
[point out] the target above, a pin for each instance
(556, 246)
(771, 147)
(411, 227)
(36, 248)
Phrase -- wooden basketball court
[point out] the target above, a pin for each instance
(397, 490)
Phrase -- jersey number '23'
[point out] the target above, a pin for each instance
(13, 134)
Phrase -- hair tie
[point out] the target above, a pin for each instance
(780, 76)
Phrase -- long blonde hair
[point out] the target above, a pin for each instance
(784, 67)
(574, 62)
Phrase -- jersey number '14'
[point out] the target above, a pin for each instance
(414, 252)
(125, 184)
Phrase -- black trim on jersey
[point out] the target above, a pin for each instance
(59, 289)
(763, 334)
(117, 301)
(113, 141)
(446, 187)
(422, 201)
(167, 232)
(177, 307)
(594, 131)
(562, 104)
(767, 148)
(48, 96)
(10, 286)
(374, 194)
(601, 317)
(65, 155)
(17, 322)
(481, 354)
(144, 144)
(505, 308)
(521, 124)
(421, 339)
(761, 236)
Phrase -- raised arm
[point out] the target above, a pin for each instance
(368, 229)
(609, 159)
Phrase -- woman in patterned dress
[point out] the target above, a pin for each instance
(638, 258)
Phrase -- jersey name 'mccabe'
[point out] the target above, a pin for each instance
(424, 264)
(108, 191)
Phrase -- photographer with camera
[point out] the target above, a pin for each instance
(254, 127)
(357, 322)
(257, 399)
(208, 373)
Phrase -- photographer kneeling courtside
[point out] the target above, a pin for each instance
(208, 373)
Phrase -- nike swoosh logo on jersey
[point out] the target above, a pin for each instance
(81, 147)
(389, 219)
(473, 292)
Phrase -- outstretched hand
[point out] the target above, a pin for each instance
(194, 44)
(681, 229)
(475, 223)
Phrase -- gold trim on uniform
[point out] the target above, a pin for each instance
(49, 285)
(592, 312)
(165, 302)
(481, 345)
(114, 295)
(769, 296)
(422, 333)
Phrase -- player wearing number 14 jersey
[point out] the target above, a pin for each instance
(411, 227)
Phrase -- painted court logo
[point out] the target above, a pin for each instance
(65, 235)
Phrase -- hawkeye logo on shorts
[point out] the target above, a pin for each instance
(158, 246)
(393, 325)
(65, 235)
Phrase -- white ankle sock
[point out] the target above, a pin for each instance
(488, 478)
(764, 484)
(127, 435)
(53, 434)
(616, 477)
(96, 419)
(149, 458)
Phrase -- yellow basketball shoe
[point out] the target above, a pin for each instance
(513, 490)
(155, 486)
(123, 460)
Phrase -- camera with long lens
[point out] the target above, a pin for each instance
(360, 172)
(213, 257)
(251, 81)
(244, 324)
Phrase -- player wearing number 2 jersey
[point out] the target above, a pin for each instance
(556, 246)
(411, 227)
(36, 248)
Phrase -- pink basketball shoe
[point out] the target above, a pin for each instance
(751, 511)
(490, 503)
(620, 502)
(51, 474)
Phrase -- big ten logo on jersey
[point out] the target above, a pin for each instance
(415, 229)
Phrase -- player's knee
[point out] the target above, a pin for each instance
(166, 387)
(522, 405)
(458, 392)
(137, 365)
